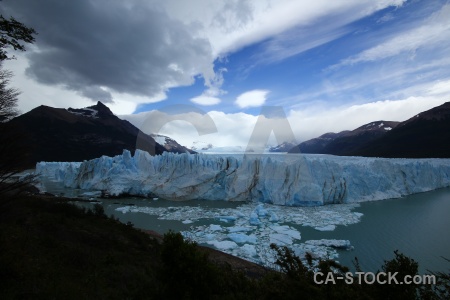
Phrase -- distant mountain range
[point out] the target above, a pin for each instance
(283, 147)
(201, 146)
(170, 144)
(56, 134)
(204, 147)
(424, 135)
(347, 141)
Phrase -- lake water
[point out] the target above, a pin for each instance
(417, 225)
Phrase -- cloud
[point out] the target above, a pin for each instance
(434, 31)
(317, 23)
(34, 94)
(205, 100)
(297, 40)
(210, 95)
(321, 118)
(386, 18)
(253, 98)
(134, 51)
(232, 25)
(235, 129)
(442, 87)
(97, 48)
(232, 129)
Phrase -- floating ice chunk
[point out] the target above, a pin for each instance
(214, 227)
(273, 217)
(283, 234)
(155, 198)
(223, 245)
(280, 239)
(326, 228)
(267, 232)
(287, 231)
(124, 209)
(187, 221)
(238, 229)
(241, 238)
(337, 244)
(226, 218)
(260, 210)
(92, 194)
(254, 220)
(210, 236)
(239, 214)
(249, 250)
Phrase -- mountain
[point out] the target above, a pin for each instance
(170, 144)
(316, 145)
(346, 142)
(201, 146)
(283, 147)
(56, 134)
(424, 135)
(205, 147)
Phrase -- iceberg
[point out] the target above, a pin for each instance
(242, 238)
(280, 239)
(252, 242)
(223, 245)
(248, 251)
(254, 220)
(337, 244)
(330, 227)
(290, 180)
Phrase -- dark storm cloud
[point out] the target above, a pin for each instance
(94, 47)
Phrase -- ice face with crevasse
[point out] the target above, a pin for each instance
(291, 180)
(248, 230)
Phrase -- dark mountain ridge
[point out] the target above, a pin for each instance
(57, 134)
(170, 144)
(347, 141)
(424, 135)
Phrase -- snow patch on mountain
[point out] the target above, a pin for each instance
(86, 112)
(201, 146)
(160, 139)
(170, 144)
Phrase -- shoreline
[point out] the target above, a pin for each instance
(250, 269)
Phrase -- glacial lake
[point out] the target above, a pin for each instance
(417, 225)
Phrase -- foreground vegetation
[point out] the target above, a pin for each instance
(50, 249)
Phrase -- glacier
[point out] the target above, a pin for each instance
(291, 180)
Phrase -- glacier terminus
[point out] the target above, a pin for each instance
(292, 180)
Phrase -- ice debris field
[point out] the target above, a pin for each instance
(248, 230)
(280, 193)
(291, 180)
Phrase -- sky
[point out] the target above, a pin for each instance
(225, 72)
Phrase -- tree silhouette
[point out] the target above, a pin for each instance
(13, 152)
(8, 97)
(12, 34)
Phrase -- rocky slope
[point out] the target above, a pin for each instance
(56, 134)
